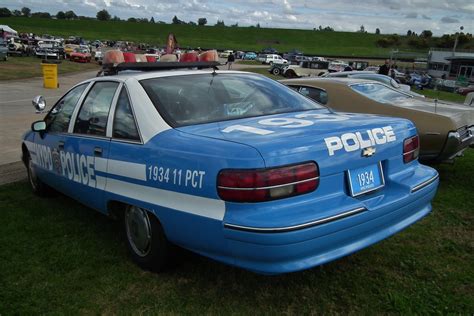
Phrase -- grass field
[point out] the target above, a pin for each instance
(28, 67)
(442, 95)
(243, 38)
(58, 257)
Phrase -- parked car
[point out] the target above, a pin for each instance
(81, 55)
(49, 48)
(465, 90)
(274, 59)
(306, 69)
(261, 58)
(250, 56)
(278, 69)
(269, 50)
(336, 66)
(3, 50)
(368, 75)
(373, 69)
(17, 47)
(69, 48)
(445, 129)
(358, 64)
(231, 165)
(225, 53)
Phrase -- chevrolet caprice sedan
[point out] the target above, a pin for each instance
(231, 165)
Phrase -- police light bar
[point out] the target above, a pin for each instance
(111, 69)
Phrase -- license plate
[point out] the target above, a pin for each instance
(365, 179)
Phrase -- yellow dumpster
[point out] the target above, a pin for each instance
(50, 76)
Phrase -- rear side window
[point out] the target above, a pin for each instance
(125, 126)
(316, 94)
(58, 118)
(92, 118)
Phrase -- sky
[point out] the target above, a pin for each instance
(390, 16)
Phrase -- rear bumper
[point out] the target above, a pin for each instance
(456, 144)
(288, 250)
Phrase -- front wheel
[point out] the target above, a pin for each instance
(37, 186)
(276, 71)
(146, 240)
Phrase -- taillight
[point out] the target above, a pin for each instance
(258, 185)
(411, 149)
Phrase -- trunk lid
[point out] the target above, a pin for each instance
(334, 141)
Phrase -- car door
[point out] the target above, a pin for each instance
(49, 144)
(87, 145)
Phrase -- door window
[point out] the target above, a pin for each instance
(317, 95)
(125, 126)
(57, 120)
(92, 117)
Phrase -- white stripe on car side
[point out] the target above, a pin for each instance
(197, 205)
(127, 169)
(100, 164)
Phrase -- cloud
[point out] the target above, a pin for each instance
(411, 15)
(426, 17)
(448, 19)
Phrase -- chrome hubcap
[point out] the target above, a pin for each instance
(138, 229)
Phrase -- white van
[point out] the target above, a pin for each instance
(275, 59)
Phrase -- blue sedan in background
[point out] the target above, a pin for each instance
(250, 56)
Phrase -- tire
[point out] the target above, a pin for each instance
(37, 186)
(145, 239)
(290, 74)
(276, 71)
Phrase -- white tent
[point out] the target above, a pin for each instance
(7, 29)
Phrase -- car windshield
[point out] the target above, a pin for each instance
(379, 92)
(205, 98)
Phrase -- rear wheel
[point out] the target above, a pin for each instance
(146, 240)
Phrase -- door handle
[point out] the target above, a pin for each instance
(61, 144)
(98, 151)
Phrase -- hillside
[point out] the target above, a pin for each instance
(242, 38)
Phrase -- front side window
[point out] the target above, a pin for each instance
(92, 117)
(124, 122)
(57, 120)
(379, 92)
(205, 98)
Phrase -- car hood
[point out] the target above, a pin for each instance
(304, 136)
(459, 113)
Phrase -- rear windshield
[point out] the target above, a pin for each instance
(379, 92)
(205, 98)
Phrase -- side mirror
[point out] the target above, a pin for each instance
(38, 126)
(39, 103)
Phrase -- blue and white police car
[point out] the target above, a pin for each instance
(230, 165)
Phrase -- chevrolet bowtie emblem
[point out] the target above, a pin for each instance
(368, 152)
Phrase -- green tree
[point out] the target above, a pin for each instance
(103, 15)
(70, 15)
(25, 11)
(115, 18)
(60, 15)
(377, 31)
(5, 13)
(409, 33)
(426, 34)
(16, 13)
(132, 20)
(202, 21)
(152, 20)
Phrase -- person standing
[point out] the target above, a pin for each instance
(230, 60)
(385, 68)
